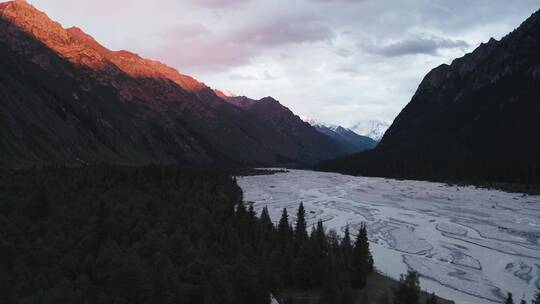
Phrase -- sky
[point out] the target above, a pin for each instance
(337, 61)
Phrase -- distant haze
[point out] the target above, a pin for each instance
(339, 61)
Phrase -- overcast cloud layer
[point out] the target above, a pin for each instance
(339, 61)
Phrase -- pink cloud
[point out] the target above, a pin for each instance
(194, 46)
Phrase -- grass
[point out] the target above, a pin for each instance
(379, 290)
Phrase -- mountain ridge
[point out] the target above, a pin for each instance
(473, 120)
(349, 141)
(374, 129)
(68, 99)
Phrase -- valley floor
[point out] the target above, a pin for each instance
(469, 245)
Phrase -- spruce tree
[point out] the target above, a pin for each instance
(408, 290)
(432, 299)
(302, 269)
(251, 212)
(536, 299)
(265, 217)
(332, 242)
(362, 261)
(346, 243)
(330, 293)
(319, 238)
(266, 224)
(284, 230)
(300, 230)
(317, 253)
(41, 205)
(509, 299)
(346, 251)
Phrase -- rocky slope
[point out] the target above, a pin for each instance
(66, 98)
(476, 119)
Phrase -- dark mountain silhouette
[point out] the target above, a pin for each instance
(277, 117)
(349, 141)
(477, 119)
(66, 98)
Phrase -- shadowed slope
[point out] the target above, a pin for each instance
(476, 119)
(66, 98)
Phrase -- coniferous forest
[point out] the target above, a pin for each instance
(106, 234)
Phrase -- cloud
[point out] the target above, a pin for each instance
(348, 70)
(204, 55)
(344, 52)
(339, 61)
(336, 1)
(415, 46)
(220, 3)
(186, 31)
(268, 76)
(284, 31)
(242, 77)
(194, 46)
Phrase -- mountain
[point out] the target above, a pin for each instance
(476, 119)
(348, 141)
(272, 114)
(373, 129)
(68, 99)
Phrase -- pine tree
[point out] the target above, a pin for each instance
(284, 230)
(330, 293)
(317, 254)
(241, 211)
(300, 230)
(265, 217)
(346, 251)
(509, 299)
(346, 243)
(432, 299)
(536, 299)
(319, 238)
(267, 226)
(332, 242)
(242, 221)
(362, 261)
(302, 268)
(41, 205)
(408, 289)
(251, 222)
(385, 298)
(251, 211)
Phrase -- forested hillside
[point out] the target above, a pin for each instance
(107, 234)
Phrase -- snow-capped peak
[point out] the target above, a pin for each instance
(374, 129)
(317, 123)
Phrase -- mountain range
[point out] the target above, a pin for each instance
(349, 141)
(68, 99)
(374, 129)
(476, 119)
(65, 98)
